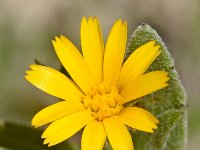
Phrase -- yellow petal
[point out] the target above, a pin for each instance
(138, 62)
(55, 112)
(73, 61)
(118, 134)
(64, 128)
(144, 85)
(114, 53)
(53, 82)
(94, 136)
(139, 119)
(92, 46)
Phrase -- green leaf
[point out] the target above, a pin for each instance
(17, 137)
(168, 104)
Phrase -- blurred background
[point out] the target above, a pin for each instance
(27, 28)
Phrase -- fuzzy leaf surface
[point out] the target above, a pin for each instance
(168, 104)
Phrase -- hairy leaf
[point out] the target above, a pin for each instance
(168, 104)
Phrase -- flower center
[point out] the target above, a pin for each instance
(102, 103)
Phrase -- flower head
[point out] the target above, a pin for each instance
(100, 87)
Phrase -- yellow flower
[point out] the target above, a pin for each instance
(100, 87)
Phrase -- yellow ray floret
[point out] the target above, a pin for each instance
(144, 85)
(139, 119)
(114, 53)
(65, 127)
(118, 134)
(92, 46)
(53, 82)
(55, 112)
(94, 136)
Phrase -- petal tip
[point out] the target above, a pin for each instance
(34, 124)
(96, 18)
(84, 20)
(46, 141)
(27, 77)
(57, 38)
(51, 144)
(151, 131)
(151, 43)
(90, 19)
(43, 136)
(62, 36)
(28, 72)
(35, 67)
(125, 22)
(53, 42)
